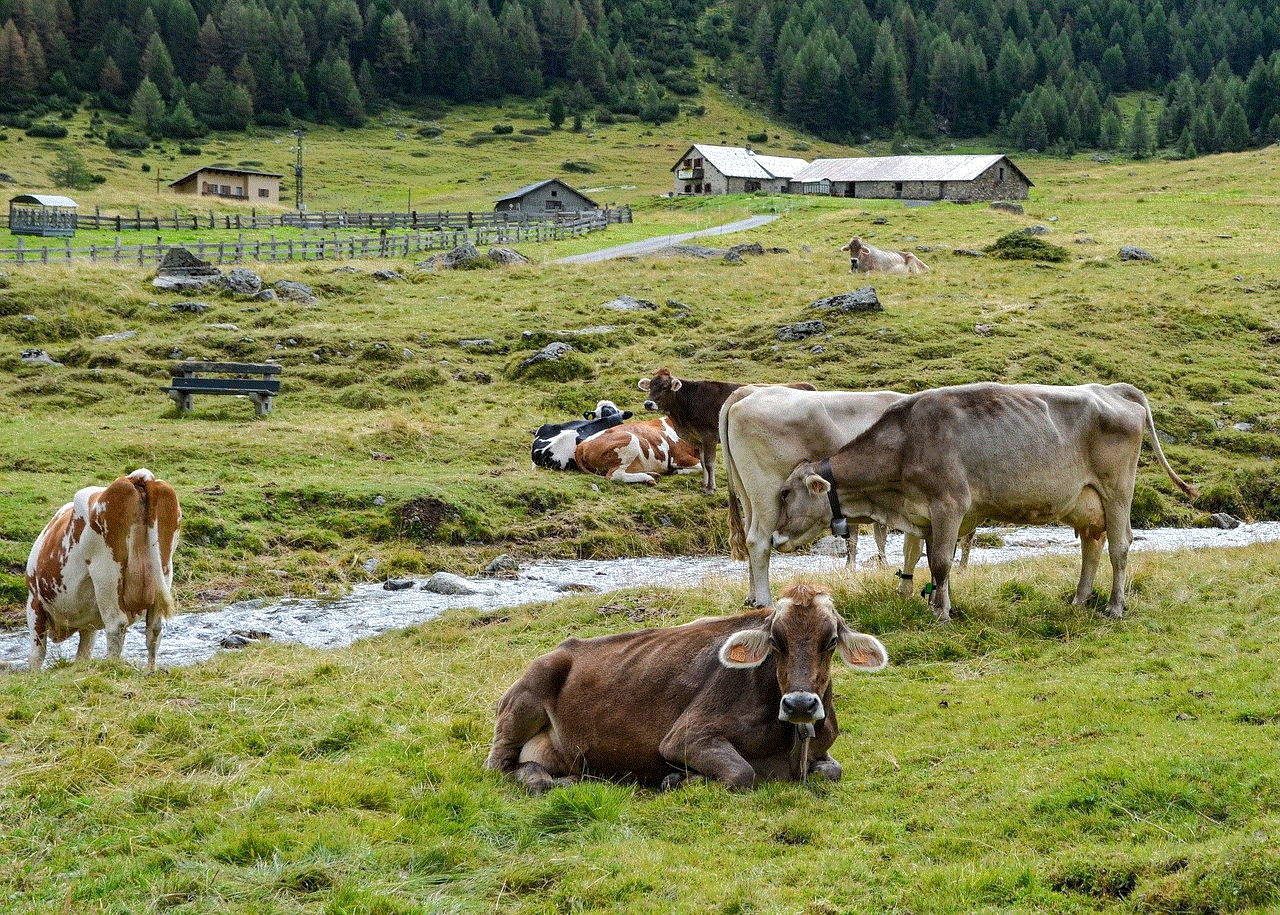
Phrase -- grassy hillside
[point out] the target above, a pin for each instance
(1027, 757)
(374, 371)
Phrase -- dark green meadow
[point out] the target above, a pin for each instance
(1028, 757)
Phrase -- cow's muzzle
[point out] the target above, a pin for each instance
(801, 708)
(651, 406)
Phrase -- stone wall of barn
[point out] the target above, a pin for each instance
(999, 182)
(559, 198)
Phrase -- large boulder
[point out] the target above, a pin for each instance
(180, 269)
(507, 256)
(242, 282)
(296, 292)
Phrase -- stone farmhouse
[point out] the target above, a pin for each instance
(230, 184)
(707, 169)
(728, 169)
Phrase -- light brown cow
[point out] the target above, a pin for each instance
(637, 452)
(694, 410)
(103, 561)
(766, 431)
(723, 697)
(863, 258)
(937, 462)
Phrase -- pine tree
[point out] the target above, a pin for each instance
(70, 169)
(1139, 145)
(1109, 136)
(555, 112)
(1186, 148)
(1233, 129)
(147, 109)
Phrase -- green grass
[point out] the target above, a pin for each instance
(1027, 757)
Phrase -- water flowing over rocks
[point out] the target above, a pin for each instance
(190, 638)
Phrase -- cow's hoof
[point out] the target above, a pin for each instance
(678, 780)
(1116, 612)
(828, 769)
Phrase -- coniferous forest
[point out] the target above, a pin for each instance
(1035, 74)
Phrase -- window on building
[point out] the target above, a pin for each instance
(697, 163)
(1002, 174)
(688, 188)
(897, 188)
(263, 192)
(226, 189)
(706, 188)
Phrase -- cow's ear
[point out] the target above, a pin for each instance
(643, 384)
(861, 651)
(816, 484)
(676, 384)
(844, 247)
(745, 648)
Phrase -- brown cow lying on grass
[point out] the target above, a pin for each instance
(863, 258)
(728, 698)
(637, 452)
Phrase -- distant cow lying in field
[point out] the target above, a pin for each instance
(739, 699)
(554, 443)
(103, 561)
(637, 452)
(863, 258)
(694, 410)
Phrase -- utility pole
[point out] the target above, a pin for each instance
(297, 170)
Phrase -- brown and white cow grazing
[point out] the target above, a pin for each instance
(723, 697)
(636, 452)
(863, 258)
(694, 410)
(103, 561)
(937, 462)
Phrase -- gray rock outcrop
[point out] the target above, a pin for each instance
(864, 299)
(800, 330)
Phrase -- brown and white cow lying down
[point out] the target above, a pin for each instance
(694, 410)
(863, 258)
(937, 462)
(103, 561)
(636, 452)
(722, 697)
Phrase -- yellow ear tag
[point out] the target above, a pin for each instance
(738, 654)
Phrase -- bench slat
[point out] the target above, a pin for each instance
(242, 368)
(226, 385)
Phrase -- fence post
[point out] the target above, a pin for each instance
(68, 243)
(117, 247)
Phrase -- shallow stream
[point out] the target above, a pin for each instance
(369, 609)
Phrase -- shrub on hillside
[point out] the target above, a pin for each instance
(44, 129)
(502, 129)
(127, 139)
(1023, 247)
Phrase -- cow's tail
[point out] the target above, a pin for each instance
(737, 532)
(158, 503)
(1155, 446)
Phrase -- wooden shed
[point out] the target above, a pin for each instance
(48, 215)
(549, 196)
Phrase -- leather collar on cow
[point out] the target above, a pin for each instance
(839, 526)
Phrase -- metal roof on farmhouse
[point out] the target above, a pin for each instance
(45, 200)
(903, 168)
(739, 162)
(530, 188)
(226, 171)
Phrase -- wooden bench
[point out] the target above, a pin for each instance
(248, 379)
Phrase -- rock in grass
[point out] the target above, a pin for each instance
(503, 566)
(242, 282)
(296, 292)
(506, 256)
(448, 583)
(192, 308)
(37, 357)
(397, 584)
(864, 299)
(628, 303)
(1134, 253)
(800, 330)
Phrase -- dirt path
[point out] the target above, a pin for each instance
(634, 248)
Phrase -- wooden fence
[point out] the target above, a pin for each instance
(253, 220)
(317, 248)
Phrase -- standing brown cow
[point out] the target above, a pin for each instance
(694, 409)
(732, 698)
